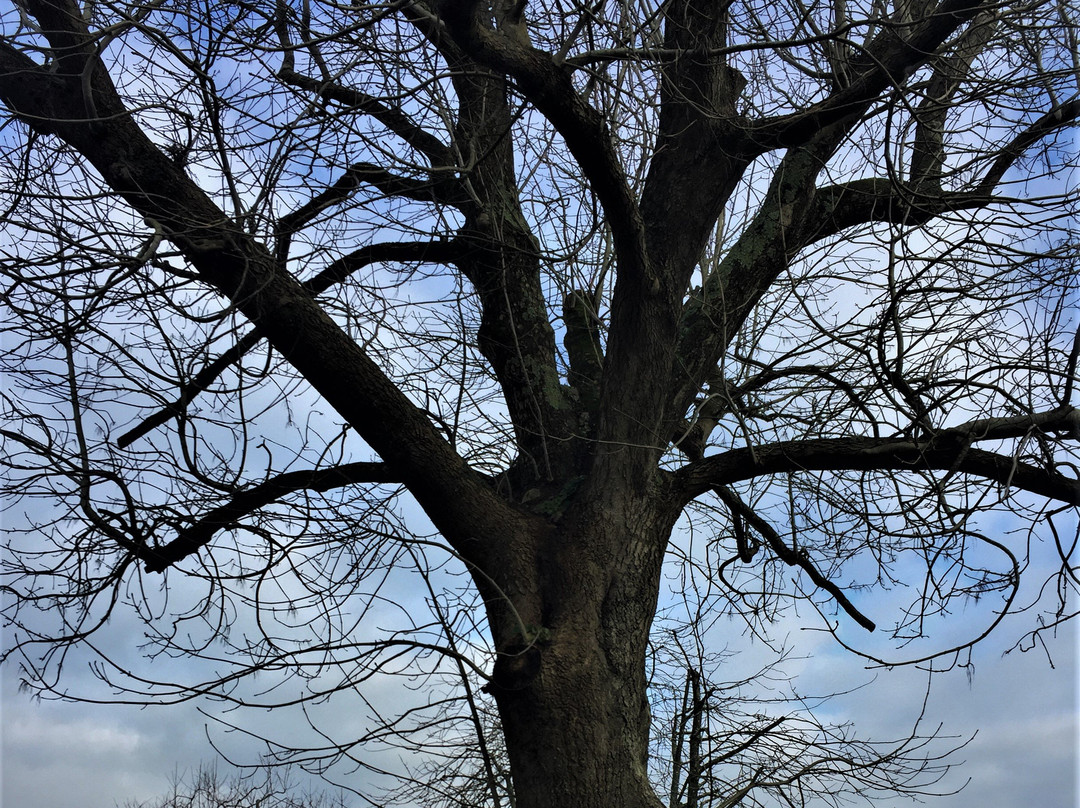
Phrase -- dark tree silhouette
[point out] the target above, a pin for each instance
(797, 279)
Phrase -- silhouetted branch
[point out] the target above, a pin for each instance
(190, 539)
(790, 556)
(948, 450)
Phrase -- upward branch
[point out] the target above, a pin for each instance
(548, 86)
(337, 271)
(795, 214)
(642, 318)
(894, 55)
(191, 539)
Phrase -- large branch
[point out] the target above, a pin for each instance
(950, 72)
(548, 86)
(190, 539)
(896, 53)
(440, 191)
(949, 450)
(700, 135)
(79, 104)
(714, 313)
(630, 428)
(500, 253)
(877, 199)
(783, 227)
(787, 218)
(778, 231)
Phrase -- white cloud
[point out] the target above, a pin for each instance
(60, 755)
(49, 740)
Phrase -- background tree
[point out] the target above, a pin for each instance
(796, 278)
(206, 788)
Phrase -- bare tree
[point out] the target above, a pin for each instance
(758, 742)
(207, 788)
(304, 296)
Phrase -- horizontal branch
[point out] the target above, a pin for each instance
(1062, 420)
(876, 199)
(441, 251)
(948, 450)
(440, 191)
(191, 539)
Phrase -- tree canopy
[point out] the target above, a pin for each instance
(351, 339)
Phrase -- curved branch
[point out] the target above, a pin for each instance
(230, 260)
(438, 191)
(392, 118)
(793, 558)
(876, 199)
(549, 87)
(425, 251)
(191, 539)
(1056, 118)
(894, 55)
(441, 251)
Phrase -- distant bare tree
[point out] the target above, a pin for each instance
(206, 788)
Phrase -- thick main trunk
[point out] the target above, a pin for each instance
(578, 736)
(575, 713)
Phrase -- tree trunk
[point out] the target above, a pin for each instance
(576, 717)
(578, 735)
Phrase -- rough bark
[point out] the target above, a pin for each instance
(576, 717)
